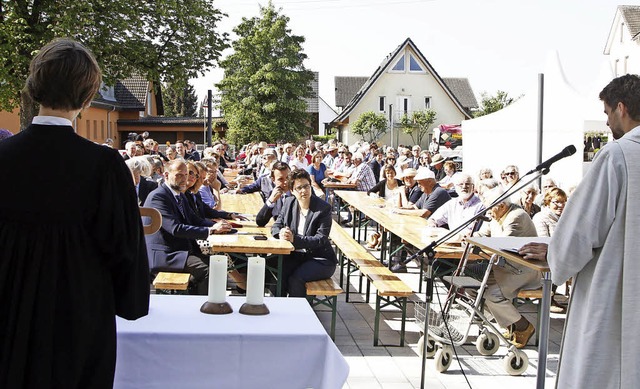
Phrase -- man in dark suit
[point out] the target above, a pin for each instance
(173, 247)
(273, 204)
(191, 153)
(376, 163)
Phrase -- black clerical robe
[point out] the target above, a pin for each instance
(72, 255)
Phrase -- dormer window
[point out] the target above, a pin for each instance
(399, 66)
(414, 66)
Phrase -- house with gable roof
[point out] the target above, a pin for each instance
(403, 83)
(132, 98)
(623, 43)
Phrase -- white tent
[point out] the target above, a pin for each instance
(510, 136)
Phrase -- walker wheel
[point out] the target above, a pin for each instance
(516, 362)
(487, 343)
(443, 359)
(431, 346)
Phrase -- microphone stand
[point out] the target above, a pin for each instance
(429, 252)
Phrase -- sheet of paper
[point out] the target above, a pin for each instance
(222, 238)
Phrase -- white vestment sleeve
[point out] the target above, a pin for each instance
(588, 216)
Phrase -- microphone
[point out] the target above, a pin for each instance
(567, 151)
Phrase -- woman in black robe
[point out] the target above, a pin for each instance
(72, 252)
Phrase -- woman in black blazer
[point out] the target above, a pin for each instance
(305, 221)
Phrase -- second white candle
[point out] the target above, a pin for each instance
(255, 280)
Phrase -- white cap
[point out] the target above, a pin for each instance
(424, 174)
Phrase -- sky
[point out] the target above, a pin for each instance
(496, 44)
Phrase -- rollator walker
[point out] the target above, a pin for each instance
(449, 324)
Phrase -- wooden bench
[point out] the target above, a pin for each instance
(328, 290)
(354, 253)
(390, 290)
(172, 282)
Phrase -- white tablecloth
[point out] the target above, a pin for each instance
(176, 346)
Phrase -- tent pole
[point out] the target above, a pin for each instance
(540, 119)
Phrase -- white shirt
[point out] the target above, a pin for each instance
(51, 121)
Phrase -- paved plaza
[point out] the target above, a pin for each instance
(393, 367)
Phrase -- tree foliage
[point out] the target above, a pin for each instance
(179, 99)
(265, 81)
(490, 104)
(370, 126)
(164, 40)
(417, 125)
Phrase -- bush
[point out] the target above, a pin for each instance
(323, 138)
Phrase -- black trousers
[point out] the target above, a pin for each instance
(198, 267)
(298, 268)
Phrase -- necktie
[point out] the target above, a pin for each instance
(181, 206)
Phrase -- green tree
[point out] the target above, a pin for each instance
(370, 126)
(490, 104)
(265, 81)
(164, 40)
(417, 125)
(179, 99)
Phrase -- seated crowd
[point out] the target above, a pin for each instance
(186, 186)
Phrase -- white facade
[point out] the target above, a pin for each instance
(325, 115)
(406, 84)
(623, 49)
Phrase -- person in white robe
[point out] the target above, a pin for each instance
(597, 243)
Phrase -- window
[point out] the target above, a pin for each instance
(399, 66)
(621, 31)
(403, 105)
(382, 103)
(626, 60)
(616, 70)
(414, 66)
(427, 102)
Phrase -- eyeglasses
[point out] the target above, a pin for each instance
(558, 203)
(512, 174)
(302, 188)
(192, 173)
(464, 185)
(340, 152)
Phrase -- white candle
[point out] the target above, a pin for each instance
(255, 281)
(217, 279)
